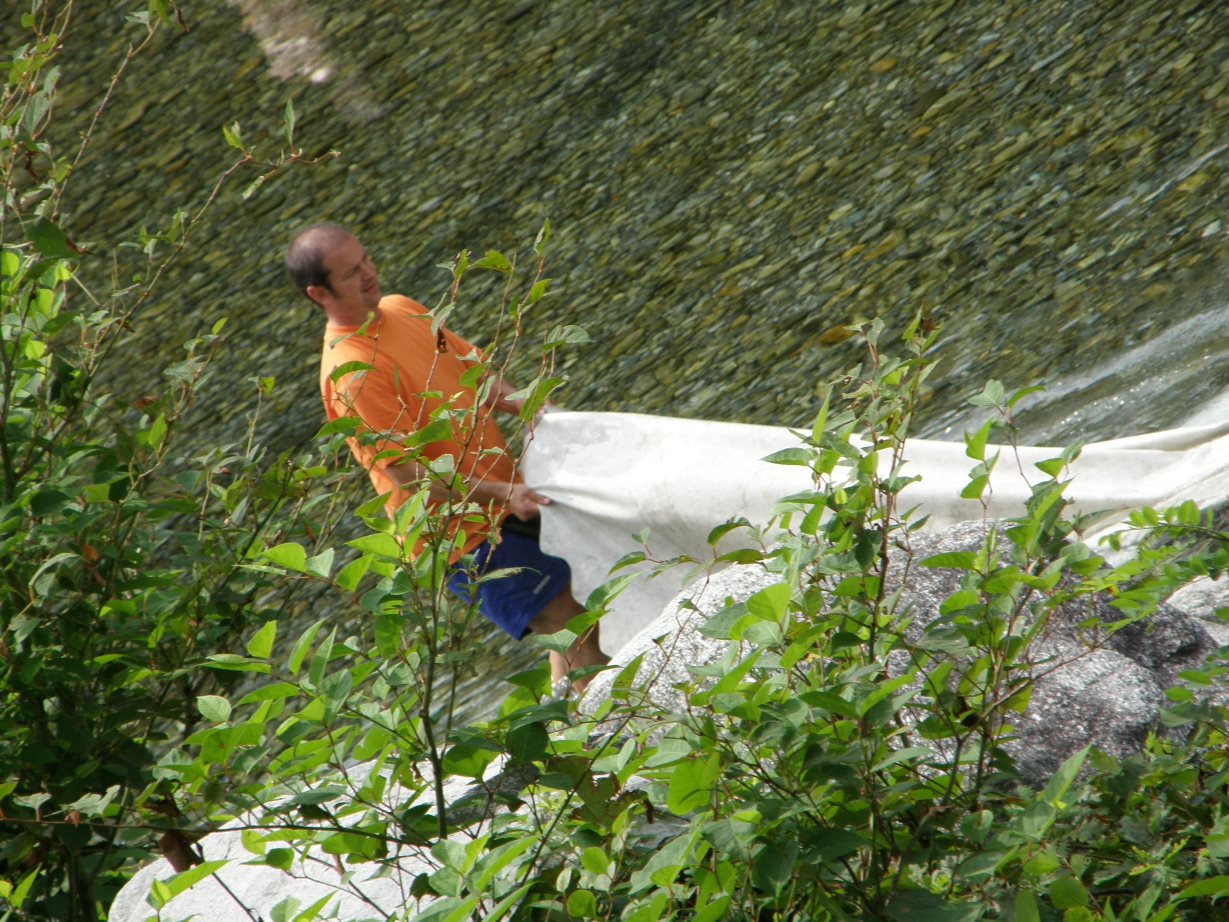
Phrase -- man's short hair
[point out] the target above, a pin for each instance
(305, 255)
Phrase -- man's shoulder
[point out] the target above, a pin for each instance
(400, 304)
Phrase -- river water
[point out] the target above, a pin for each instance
(729, 186)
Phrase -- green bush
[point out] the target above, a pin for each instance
(122, 551)
(808, 777)
(832, 766)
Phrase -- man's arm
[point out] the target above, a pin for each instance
(520, 501)
(501, 391)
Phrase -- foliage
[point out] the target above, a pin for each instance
(121, 551)
(838, 763)
(835, 765)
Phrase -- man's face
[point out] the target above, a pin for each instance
(355, 287)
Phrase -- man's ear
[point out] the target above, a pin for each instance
(318, 293)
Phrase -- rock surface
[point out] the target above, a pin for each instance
(371, 891)
(1106, 694)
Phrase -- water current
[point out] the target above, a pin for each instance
(730, 185)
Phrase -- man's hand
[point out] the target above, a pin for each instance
(524, 503)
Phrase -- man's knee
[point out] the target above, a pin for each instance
(556, 613)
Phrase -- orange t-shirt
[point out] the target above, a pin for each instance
(414, 378)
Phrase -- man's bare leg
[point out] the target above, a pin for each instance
(586, 650)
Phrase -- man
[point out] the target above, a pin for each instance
(416, 394)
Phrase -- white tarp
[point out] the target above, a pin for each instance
(612, 475)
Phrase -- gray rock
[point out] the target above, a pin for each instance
(672, 643)
(1203, 599)
(1088, 686)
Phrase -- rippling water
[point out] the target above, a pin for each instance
(729, 184)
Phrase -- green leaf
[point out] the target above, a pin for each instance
(801, 457)
(288, 120)
(22, 890)
(1215, 887)
(559, 642)
(975, 443)
(159, 894)
(582, 904)
(991, 396)
(1042, 864)
(470, 758)
(322, 564)
(1059, 784)
(721, 625)
(1026, 907)
(537, 291)
(10, 263)
(232, 135)
(663, 867)
(289, 556)
(232, 662)
(910, 753)
(348, 425)
(351, 573)
(214, 708)
(189, 878)
(770, 602)
(33, 801)
(503, 856)
(301, 647)
(493, 260)
(691, 784)
(44, 577)
(49, 240)
(500, 911)
(543, 237)
(274, 692)
(958, 601)
(821, 419)
(975, 487)
(346, 368)
(595, 861)
(528, 742)
(320, 661)
(774, 866)
(1067, 893)
(336, 688)
(379, 545)
(48, 502)
(567, 335)
(714, 912)
(956, 560)
(824, 845)
(1052, 467)
(924, 906)
(261, 643)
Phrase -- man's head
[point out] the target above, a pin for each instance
(326, 263)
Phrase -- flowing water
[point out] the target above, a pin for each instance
(729, 185)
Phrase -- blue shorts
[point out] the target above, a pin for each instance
(514, 600)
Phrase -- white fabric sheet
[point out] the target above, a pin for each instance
(613, 475)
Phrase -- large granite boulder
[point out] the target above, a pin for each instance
(246, 888)
(1104, 689)
(1088, 686)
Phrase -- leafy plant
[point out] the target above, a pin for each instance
(843, 760)
(840, 762)
(121, 555)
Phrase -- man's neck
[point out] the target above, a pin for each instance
(350, 317)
